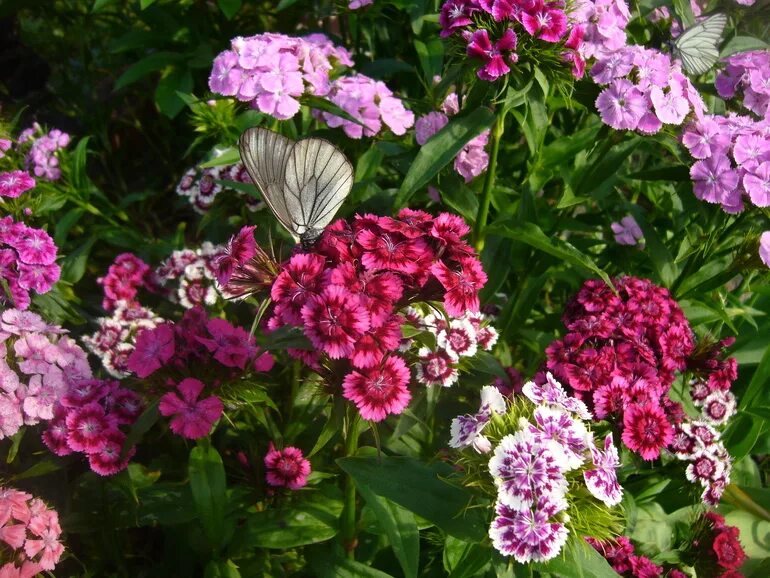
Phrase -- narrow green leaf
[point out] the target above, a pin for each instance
(320, 103)
(420, 488)
(207, 482)
(431, 57)
(79, 159)
(759, 381)
(742, 44)
(221, 569)
(41, 468)
(167, 92)
(532, 235)
(141, 426)
(578, 560)
(329, 564)
(148, 64)
(441, 149)
(229, 156)
(229, 7)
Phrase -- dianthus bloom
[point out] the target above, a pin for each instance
(747, 74)
(380, 391)
(286, 468)
(190, 417)
(42, 158)
(14, 183)
(764, 247)
(627, 231)
(202, 187)
(30, 533)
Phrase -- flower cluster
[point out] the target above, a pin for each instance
(88, 420)
(472, 160)
(371, 103)
(550, 451)
(14, 183)
(27, 262)
(271, 71)
(644, 90)
(621, 354)
(37, 365)
(125, 276)
(747, 74)
(348, 293)
(519, 28)
(286, 468)
(192, 274)
(621, 555)
(210, 348)
(732, 160)
(29, 534)
(201, 187)
(718, 547)
(113, 341)
(42, 158)
(604, 26)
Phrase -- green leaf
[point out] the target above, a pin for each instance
(321, 103)
(166, 93)
(758, 382)
(431, 57)
(331, 429)
(578, 560)
(41, 468)
(742, 435)
(229, 7)
(420, 488)
(459, 197)
(441, 149)
(326, 564)
(742, 44)
(463, 559)
(79, 159)
(401, 528)
(221, 569)
(146, 3)
(207, 482)
(141, 426)
(284, 4)
(603, 171)
(532, 235)
(100, 5)
(229, 156)
(147, 65)
(73, 266)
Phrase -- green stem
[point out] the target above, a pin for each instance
(489, 180)
(349, 541)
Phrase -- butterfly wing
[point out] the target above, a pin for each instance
(264, 154)
(697, 46)
(318, 178)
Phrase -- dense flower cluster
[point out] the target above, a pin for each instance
(473, 159)
(271, 71)
(187, 277)
(732, 160)
(201, 187)
(519, 27)
(622, 557)
(350, 294)
(534, 467)
(371, 103)
(14, 183)
(29, 535)
(286, 468)
(645, 89)
(113, 341)
(621, 354)
(719, 547)
(42, 157)
(196, 346)
(604, 26)
(27, 262)
(747, 74)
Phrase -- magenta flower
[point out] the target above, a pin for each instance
(231, 346)
(107, 461)
(240, 249)
(456, 14)
(295, 285)
(192, 418)
(226, 77)
(153, 349)
(559, 432)
(463, 286)
(436, 367)
(14, 183)
(705, 138)
(35, 247)
(646, 430)
(764, 247)
(381, 391)
(286, 468)
(335, 320)
(757, 184)
(713, 178)
(391, 251)
(528, 535)
(545, 22)
(493, 56)
(670, 107)
(87, 426)
(374, 345)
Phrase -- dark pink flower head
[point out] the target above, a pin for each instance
(456, 14)
(449, 230)
(153, 349)
(240, 249)
(286, 468)
(545, 22)
(410, 222)
(493, 56)
(377, 342)
(192, 418)
(109, 460)
(646, 430)
(335, 321)
(232, 346)
(299, 280)
(380, 391)
(82, 392)
(462, 286)
(35, 247)
(14, 183)
(391, 251)
(336, 242)
(87, 426)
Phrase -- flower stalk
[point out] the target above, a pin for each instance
(489, 180)
(349, 522)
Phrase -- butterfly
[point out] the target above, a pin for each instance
(303, 182)
(697, 46)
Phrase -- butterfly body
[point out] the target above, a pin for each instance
(698, 46)
(303, 182)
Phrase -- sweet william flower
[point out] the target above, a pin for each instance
(14, 183)
(493, 56)
(764, 248)
(757, 184)
(334, 321)
(286, 468)
(380, 391)
(154, 348)
(462, 286)
(646, 430)
(191, 418)
(545, 22)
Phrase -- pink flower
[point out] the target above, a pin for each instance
(627, 232)
(14, 183)
(713, 178)
(544, 22)
(153, 349)
(671, 107)
(86, 428)
(436, 367)
(299, 281)
(462, 286)
(35, 247)
(225, 77)
(335, 321)
(372, 347)
(602, 480)
(231, 346)
(493, 56)
(381, 391)
(456, 14)
(286, 468)
(757, 184)
(646, 430)
(391, 251)
(621, 105)
(428, 125)
(192, 418)
(240, 249)
(46, 527)
(108, 461)
(764, 247)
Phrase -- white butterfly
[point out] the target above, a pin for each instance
(698, 46)
(303, 182)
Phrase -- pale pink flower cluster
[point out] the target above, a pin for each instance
(473, 159)
(604, 26)
(645, 89)
(371, 103)
(188, 276)
(272, 71)
(456, 338)
(747, 74)
(201, 187)
(42, 159)
(114, 340)
(30, 533)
